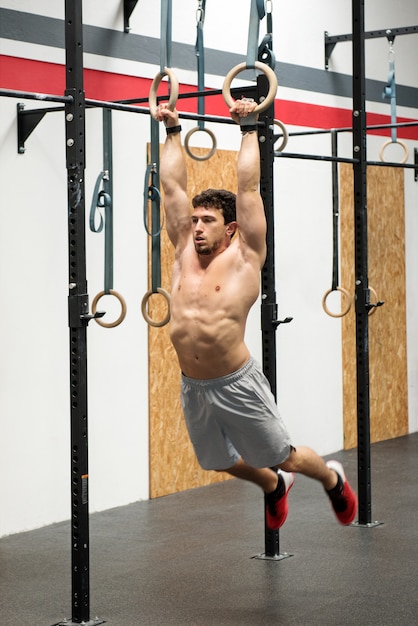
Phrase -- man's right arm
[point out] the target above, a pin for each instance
(174, 180)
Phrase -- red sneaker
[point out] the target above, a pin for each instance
(277, 506)
(343, 498)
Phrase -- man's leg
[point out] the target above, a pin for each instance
(307, 462)
(275, 485)
(331, 475)
(302, 461)
(265, 477)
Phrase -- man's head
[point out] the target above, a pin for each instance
(221, 199)
(213, 220)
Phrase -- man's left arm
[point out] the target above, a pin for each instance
(250, 209)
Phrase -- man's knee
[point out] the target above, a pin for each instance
(292, 462)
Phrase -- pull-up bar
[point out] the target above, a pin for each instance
(45, 97)
(28, 119)
(349, 129)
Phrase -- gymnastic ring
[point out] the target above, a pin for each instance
(226, 88)
(344, 311)
(122, 315)
(144, 309)
(401, 143)
(285, 137)
(373, 308)
(174, 91)
(207, 155)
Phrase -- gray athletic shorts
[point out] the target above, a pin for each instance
(234, 416)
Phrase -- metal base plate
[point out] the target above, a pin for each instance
(91, 622)
(368, 525)
(275, 557)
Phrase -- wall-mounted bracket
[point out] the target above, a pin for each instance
(128, 7)
(27, 121)
(389, 33)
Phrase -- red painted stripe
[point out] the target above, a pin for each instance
(37, 76)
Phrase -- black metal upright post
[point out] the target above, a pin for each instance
(269, 320)
(361, 263)
(268, 289)
(78, 306)
(78, 313)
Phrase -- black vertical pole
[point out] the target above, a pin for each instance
(361, 263)
(78, 314)
(78, 310)
(268, 303)
(268, 292)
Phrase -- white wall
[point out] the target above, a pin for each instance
(34, 380)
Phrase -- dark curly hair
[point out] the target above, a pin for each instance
(221, 199)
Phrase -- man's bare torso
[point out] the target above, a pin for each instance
(210, 301)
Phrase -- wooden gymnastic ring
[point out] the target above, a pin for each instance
(285, 137)
(174, 93)
(122, 315)
(226, 88)
(202, 157)
(344, 311)
(401, 143)
(144, 309)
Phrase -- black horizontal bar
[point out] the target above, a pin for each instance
(390, 33)
(348, 129)
(192, 94)
(388, 164)
(122, 106)
(181, 96)
(320, 157)
(43, 110)
(314, 157)
(134, 109)
(206, 118)
(28, 95)
(371, 34)
(117, 106)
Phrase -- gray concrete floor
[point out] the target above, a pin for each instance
(187, 559)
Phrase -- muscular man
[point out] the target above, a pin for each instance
(230, 412)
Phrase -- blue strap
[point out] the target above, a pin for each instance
(165, 35)
(390, 92)
(256, 14)
(108, 246)
(265, 52)
(151, 194)
(260, 9)
(335, 214)
(269, 18)
(200, 55)
(94, 209)
(265, 49)
(103, 199)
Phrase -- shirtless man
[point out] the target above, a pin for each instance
(230, 412)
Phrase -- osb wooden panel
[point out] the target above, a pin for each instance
(173, 465)
(387, 326)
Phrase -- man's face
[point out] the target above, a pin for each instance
(210, 233)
